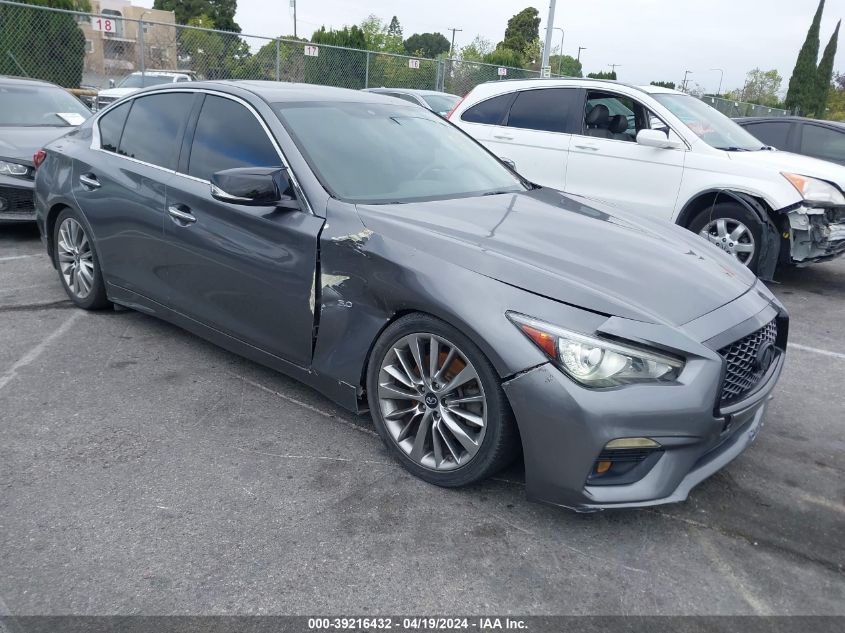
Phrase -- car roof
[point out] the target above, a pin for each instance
(413, 91)
(280, 91)
(25, 81)
(796, 119)
(586, 82)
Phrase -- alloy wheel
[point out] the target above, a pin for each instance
(76, 259)
(432, 401)
(732, 236)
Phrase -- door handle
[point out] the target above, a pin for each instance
(180, 214)
(90, 181)
(503, 137)
(592, 148)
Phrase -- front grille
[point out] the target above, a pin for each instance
(15, 201)
(743, 368)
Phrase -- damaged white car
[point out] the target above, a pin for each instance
(667, 155)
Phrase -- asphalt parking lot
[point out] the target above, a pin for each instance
(143, 470)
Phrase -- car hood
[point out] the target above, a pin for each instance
(571, 250)
(20, 143)
(795, 163)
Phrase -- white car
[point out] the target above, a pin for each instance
(135, 81)
(668, 155)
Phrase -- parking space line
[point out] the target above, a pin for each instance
(816, 350)
(11, 257)
(305, 405)
(726, 571)
(36, 351)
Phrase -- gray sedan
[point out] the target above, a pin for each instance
(375, 252)
(32, 113)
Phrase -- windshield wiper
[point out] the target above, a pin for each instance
(734, 149)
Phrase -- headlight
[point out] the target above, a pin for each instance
(815, 190)
(13, 169)
(596, 362)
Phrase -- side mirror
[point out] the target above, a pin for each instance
(254, 186)
(508, 162)
(111, 83)
(658, 139)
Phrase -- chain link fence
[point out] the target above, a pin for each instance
(99, 50)
(736, 109)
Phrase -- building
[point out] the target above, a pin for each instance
(114, 46)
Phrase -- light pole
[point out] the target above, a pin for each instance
(580, 48)
(721, 76)
(452, 47)
(544, 66)
(141, 59)
(293, 6)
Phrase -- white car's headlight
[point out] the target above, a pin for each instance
(814, 190)
(13, 169)
(596, 362)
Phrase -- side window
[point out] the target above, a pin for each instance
(491, 111)
(772, 133)
(245, 143)
(153, 131)
(823, 143)
(111, 127)
(617, 117)
(546, 109)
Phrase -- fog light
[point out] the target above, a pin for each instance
(631, 442)
(624, 461)
(603, 467)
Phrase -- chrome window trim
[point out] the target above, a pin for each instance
(96, 144)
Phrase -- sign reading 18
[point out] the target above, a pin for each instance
(103, 24)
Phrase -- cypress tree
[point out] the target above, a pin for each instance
(825, 73)
(802, 84)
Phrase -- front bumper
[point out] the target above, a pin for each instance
(816, 234)
(564, 427)
(16, 199)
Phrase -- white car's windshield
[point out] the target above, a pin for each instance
(441, 104)
(142, 81)
(710, 125)
(377, 153)
(40, 106)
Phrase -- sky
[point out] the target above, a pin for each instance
(650, 40)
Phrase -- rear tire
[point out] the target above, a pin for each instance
(734, 229)
(449, 423)
(77, 261)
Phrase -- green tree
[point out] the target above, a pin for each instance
(43, 44)
(761, 87)
(426, 45)
(220, 13)
(603, 75)
(503, 56)
(825, 73)
(476, 49)
(802, 85)
(664, 84)
(395, 29)
(348, 36)
(568, 65)
(522, 30)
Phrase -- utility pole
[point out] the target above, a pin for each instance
(686, 73)
(580, 48)
(560, 56)
(293, 6)
(613, 67)
(452, 47)
(721, 76)
(545, 69)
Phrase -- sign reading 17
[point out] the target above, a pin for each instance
(106, 25)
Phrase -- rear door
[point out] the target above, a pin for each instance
(615, 168)
(246, 271)
(120, 186)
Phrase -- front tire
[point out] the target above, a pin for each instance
(734, 229)
(77, 261)
(438, 404)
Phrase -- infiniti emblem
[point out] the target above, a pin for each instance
(765, 356)
(430, 400)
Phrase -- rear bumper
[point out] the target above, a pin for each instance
(16, 200)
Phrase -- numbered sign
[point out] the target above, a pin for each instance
(312, 51)
(413, 63)
(106, 25)
(502, 71)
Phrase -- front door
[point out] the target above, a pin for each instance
(246, 271)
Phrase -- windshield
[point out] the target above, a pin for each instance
(143, 81)
(380, 153)
(441, 104)
(39, 106)
(710, 125)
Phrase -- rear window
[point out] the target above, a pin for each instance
(491, 111)
(111, 127)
